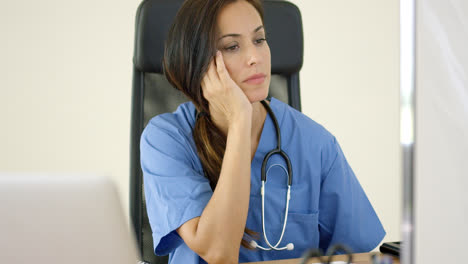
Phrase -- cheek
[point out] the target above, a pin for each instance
(233, 68)
(266, 56)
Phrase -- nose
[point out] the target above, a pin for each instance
(253, 56)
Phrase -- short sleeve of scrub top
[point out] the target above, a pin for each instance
(175, 188)
(346, 215)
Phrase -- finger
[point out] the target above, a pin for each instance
(206, 83)
(210, 80)
(212, 71)
(215, 82)
(220, 67)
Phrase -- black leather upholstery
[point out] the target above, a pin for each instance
(152, 94)
(281, 24)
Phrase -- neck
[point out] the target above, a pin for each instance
(258, 120)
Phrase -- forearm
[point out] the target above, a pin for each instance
(221, 225)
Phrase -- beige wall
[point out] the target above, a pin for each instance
(65, 82)
(66, 86)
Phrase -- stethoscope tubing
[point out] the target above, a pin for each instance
(278, 149)
(264, 173)
(275, 247)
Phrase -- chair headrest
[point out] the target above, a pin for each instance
(283, 25)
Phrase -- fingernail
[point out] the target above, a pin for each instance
(218, 53)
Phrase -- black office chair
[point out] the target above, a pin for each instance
(153, 95)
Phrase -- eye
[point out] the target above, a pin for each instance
(260, 40)
(232, 48)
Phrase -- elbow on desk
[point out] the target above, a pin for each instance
(214, 254)
(218, 250)
(217, 256)
(221, 259)
(220, 256)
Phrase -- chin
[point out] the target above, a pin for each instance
(258, 93)
(257, 97)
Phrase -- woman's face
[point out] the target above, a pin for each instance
(241, 39)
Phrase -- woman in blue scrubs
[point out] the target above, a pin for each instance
(202, 163)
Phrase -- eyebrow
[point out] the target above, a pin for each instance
(238, 35)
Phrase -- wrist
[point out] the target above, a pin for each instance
(241, 119)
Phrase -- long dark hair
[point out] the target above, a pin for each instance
(189, 48)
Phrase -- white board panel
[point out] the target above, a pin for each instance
(441, 147)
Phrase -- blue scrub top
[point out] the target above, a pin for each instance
(327, 206)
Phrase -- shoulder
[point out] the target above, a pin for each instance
(177, 123)
(301, 133)
(170, 132)
(301, 125)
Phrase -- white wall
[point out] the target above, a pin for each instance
(441, 205)
(65, 81)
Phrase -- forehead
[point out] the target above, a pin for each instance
(239, 17)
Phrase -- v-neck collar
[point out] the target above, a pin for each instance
(268, 137)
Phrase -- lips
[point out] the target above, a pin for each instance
(256, 79)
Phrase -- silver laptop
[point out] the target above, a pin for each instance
(62, 219)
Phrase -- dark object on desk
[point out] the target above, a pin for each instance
(153, 95)
(333, 250)
(392, 248)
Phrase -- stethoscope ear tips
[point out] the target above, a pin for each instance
(290, 246)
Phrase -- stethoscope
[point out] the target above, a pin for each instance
(288, 171)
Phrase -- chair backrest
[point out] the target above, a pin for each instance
(153, 95)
